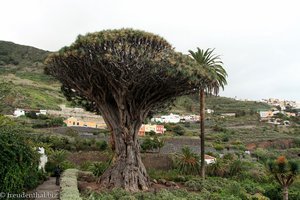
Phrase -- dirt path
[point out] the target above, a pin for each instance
(47, 190)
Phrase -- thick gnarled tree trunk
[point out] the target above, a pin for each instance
(127, 170)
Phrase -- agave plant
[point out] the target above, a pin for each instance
(98, 168)
(187, 161)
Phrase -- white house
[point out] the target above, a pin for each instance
(42, 112)
(167, 119)
(19, 112)
(228, 114)
(209, 111)
(265, 114)
(209, 159)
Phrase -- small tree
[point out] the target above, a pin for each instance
(285, 172)
(152, 143)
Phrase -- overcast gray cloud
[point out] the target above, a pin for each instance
(258, 40)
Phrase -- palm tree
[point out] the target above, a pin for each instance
(213, 66)
(285, 172)
(187, 161)
(58, 157)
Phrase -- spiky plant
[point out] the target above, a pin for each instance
(187, 161)
(285, 172)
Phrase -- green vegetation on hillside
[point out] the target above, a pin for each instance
(23, 82)
(15, 54)
(190, 104)
(24, 96)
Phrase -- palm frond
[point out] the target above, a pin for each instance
(213, 66)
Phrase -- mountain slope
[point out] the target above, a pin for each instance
(22, 81)
(15, 54)
(190, 104)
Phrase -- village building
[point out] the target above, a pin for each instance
(167, 119)
(172, 118)
(190, 118)
(228, 114)
(209, 159)
(265, 115)
(290, 114)
(147, 128)
(85, 122)
(19, 112)
(42, 112)
(209, 111)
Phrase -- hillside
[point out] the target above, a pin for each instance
(190, 104)
(22, 81)
(20, 55)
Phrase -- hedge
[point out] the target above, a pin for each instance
(69, 189)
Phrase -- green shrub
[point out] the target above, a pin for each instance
(219, 147)
(195, 184)
(273, 192)
(102, 145)
(235, 167)
(225, 138)
(152, 143)
(178, 130)
(128, 197)
(119, 192)
(98, 168)
(101, 196)
(187, 124)
(31, 114)
(85, 166)
(50, 167)
(218, 128)
(68, 185)
(170, 175)
(67, 165)
(252, 187)
(71, 132)
(19, 162)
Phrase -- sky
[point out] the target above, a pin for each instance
(258, 40)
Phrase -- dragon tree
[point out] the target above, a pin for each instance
(124, 74)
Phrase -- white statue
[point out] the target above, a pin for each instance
(43, 158)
